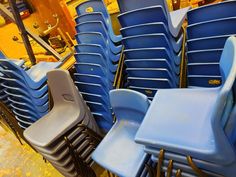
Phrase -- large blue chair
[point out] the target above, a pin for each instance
(129, 107)
(204, 123)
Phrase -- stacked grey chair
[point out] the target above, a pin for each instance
(25, 90)
(97, 55)
(68, 134)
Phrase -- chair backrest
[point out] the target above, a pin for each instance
(228, 72)
(129, 104)
(63, 90)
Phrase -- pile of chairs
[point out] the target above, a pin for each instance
(194, 130)
(68, 134)
(25, 92)
(152, 38)
(97, 55)
(208, 28)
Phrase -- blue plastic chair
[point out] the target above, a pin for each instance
(152, 28)
(155, 14)
(97, 38)
(212, 28)
(208, 141)
(95, 58)
(149, 41)
(153, 73)
(220, 10)
(153, 53)
(129, 107)
(210, 69)
(204, 56)
(150, 82)
(203, 81)
(213, 42)
(36, 75)
(93, 69)
(95, 48)
(98, 16)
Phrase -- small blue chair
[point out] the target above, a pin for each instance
(204, 123)
(129, 107)
(150, 41)
(153, 53)
(204, 56)
(97, 38)
(150, 82)
(220, 10)
(152, 28)
(95, 48)
(212, 28)
(98, 16)
(212, 42)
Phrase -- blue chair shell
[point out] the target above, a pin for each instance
(150, 82)
(148, 63)
(97, 38)
(149, 41)
(95, 98)
(94, 69)
(150, 92)
(205, 29)
(204, 56)
(94, 79)
(152, 73)
(203, 81)
(95, 48)
(96, 58)
(92, 88)
(211, 69)
(98, 16)
(153, 53)
(153, 28)
(213, 42)
(22, 110)
(220, 10)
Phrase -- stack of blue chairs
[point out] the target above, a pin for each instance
(25, 91)
(97, 55)
(153, 41)
(208, 28)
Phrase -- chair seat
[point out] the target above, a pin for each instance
(121, 155)
(52, 126)
(185, 126)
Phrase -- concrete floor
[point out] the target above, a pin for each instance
(18, 160)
